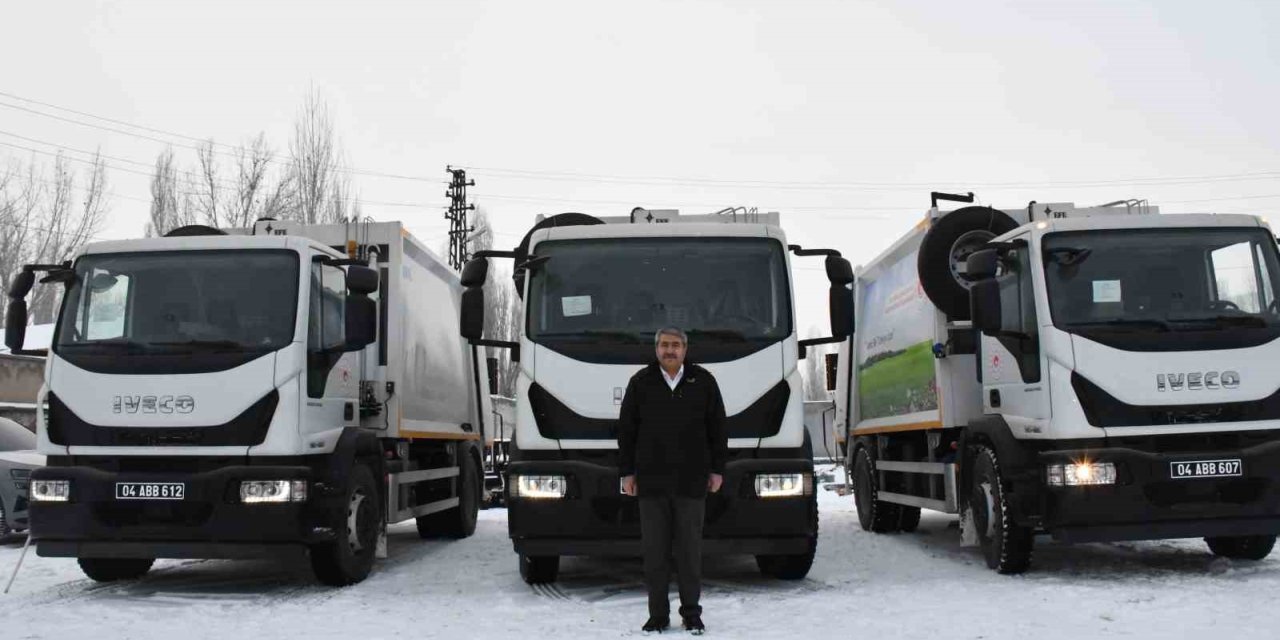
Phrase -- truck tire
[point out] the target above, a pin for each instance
(113, 569)
(349, 559)
(4, 523)
(946, 246)
(1005, 545)
(873, 514)
(460, 521)
(792, 566)
(1242, 547)
(539, 569)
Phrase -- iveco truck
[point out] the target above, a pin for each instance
(1095, 374)
(285, 390)
(595, 291)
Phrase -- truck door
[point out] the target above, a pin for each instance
(1012, 367)
(331, 383)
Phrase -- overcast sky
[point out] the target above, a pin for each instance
(858, 108)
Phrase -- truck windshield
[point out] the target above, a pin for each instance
(602, 300)
(179, 302)
(1163, 281)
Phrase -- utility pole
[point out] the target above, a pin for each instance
(457, 216)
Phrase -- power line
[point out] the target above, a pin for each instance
(529, 174)
(219, 185)
(232, 149)
(867, 186)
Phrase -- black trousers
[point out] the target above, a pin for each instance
(671, 528)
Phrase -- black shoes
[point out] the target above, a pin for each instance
(656, 625)
(693, 624)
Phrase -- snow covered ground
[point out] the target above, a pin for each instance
(862, 586)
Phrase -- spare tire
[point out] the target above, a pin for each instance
(945, 248)
(558, 220)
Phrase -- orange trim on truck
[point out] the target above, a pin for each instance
(438, 435)
(891, 428)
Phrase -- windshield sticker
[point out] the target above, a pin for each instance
(574, 306)
(1106, 291)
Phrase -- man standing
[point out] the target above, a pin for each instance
(672, 447)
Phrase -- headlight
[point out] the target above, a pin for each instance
(1081, 474)
(273, 491)
(539, 487)
(783, 485)
(50, 491)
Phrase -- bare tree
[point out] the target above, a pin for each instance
(48, 220)
(322, 193)
(251, 188)
(208, 189)
(167, 210)
(502, 307)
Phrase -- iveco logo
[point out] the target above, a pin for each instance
(153, 404)
(1197, 380)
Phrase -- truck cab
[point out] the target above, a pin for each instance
(595, 292)
(250, 393)
(1108, 379)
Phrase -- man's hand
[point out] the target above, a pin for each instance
(629, 485)
(714, 482)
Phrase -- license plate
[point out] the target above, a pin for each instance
(150, 491)
(1206, 469)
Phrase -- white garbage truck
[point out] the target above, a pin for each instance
(1096, 374)
(288, 389)
(595, 290)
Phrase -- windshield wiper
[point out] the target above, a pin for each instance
(1069, 256)
(1226, 320)
(114, 344)
(205, 344)
(614, 335)
(724, 334)
(1134, 323)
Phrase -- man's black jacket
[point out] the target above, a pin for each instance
(672, 440)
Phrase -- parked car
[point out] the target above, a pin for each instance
(17, 459)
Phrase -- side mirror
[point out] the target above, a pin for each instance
(984, 306)
(472, 315)
(15, 323)
(22, 283)
(361, 280)
(831, 362)
(362, 323)
(982, 264)
(841, 303)
(839, 271)
(475, 272)
(492, 364)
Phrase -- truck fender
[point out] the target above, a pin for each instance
(1017, 462)
(354, 445)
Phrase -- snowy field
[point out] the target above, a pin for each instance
(862, 586)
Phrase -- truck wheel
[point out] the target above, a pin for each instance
(4, 523)
(539, 569)
(1242, 547)
(908, 518)
(113, 569)
(794, 566)
(945, 248)
(460, 521)
(1006, 545)
(349, 559)
(873, 514)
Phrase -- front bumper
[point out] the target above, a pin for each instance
(1147, 503)
(596, 519)
(209, 522)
